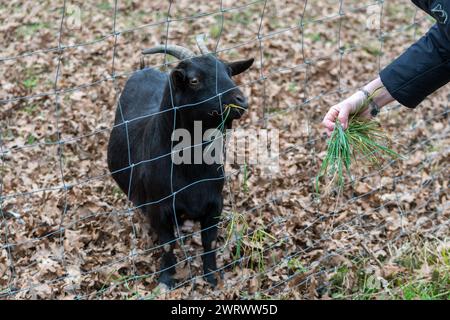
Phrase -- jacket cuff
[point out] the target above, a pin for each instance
(387, 77)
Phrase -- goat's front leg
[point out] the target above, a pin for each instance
(166, 238)
(209, 242)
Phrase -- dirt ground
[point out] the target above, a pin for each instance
(67, 232)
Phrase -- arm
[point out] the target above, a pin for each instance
(343, 109)
(419, 71)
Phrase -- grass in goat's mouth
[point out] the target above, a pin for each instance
(225, 115)
(363, 140)
(235, 106)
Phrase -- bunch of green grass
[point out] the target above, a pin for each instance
(363, 140)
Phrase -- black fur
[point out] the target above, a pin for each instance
(144, 157)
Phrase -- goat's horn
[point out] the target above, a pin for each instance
(174, 50)
(201, 44)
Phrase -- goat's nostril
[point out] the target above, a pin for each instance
(241, 100)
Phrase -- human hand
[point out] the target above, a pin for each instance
(375, 91)
(344, 109)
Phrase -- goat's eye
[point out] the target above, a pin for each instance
(194, 81)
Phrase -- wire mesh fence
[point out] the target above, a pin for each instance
(69, 232)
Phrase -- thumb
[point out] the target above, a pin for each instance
(343, 116)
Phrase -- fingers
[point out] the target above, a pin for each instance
(342, 111)
(343, 116)
(330, 119)
(329, 126)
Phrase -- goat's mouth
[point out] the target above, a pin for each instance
(229, 113)
(234, 111)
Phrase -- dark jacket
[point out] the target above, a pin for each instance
(425, 66)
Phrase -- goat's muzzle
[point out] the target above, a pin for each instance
(241, 101)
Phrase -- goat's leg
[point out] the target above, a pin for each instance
(167, 240)
(209, 242)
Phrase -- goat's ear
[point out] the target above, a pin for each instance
(178, 77)
(238, 67)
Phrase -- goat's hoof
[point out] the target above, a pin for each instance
(211, 279)
(167, 280)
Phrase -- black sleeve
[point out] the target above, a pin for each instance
(422, 69)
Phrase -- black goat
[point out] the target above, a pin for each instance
(151, 106)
